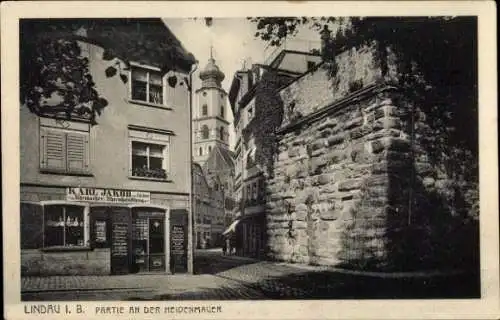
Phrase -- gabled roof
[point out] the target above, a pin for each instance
(227, 157)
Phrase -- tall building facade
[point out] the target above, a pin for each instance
(210, 114)
(112, 197)
(255, 104)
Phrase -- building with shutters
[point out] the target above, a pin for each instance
(113, 197)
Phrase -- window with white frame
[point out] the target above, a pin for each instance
(149, 154)
(64, 146)
(146, 85)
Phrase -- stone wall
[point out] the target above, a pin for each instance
(329, 193)
(90, 262)
(355, 181)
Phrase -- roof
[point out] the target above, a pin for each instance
(228, 156)
(225, 154)
(279, 58)
(144, 40)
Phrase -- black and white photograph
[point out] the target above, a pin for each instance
(246, 158)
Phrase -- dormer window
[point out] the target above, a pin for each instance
(146, 85)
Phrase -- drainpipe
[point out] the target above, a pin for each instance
(190, 176)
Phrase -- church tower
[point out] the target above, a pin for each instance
(210, 113)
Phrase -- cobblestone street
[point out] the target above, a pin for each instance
(219, 277)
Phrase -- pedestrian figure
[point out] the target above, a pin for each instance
(224, 248)
(228, 245)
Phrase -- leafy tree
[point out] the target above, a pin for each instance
(55, 78)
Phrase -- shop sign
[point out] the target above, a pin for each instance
(107, 195)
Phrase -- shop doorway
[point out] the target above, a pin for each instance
(148, 241)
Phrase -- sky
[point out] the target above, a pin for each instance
(233, 43)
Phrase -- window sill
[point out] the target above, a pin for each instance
(65, 173)
(149, 179)
(66, 249)
(149, 104)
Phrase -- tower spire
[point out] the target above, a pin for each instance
(211, 51)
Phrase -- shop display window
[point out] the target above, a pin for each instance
(64, 225)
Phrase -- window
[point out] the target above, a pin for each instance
(149, 160)
(64, 150)
(222, 111)
(221, 133)
(250, 113)
(204, 132)
(310, 65)
(204, 110)
(149, 152)
(249, 192)
(64, 225)
(209, 149)
(200, 151)
(204, 94)
(147, 85)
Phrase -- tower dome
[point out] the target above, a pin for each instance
(211, 75)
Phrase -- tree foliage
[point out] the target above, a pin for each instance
(54, 76)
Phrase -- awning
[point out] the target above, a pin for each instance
(232, 227)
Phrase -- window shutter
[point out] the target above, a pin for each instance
(31, 226)
(77, 152)
(53, 150)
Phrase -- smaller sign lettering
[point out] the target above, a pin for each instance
(106, 195)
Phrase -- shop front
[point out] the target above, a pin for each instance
(102, 231)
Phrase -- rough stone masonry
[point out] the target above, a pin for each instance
(350, 171)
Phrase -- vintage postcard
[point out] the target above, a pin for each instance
(250, 160)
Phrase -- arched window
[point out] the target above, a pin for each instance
(204, 110)
(221, 133)
(204, 132)
(222, 111)
(200, 151)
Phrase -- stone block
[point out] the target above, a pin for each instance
(319, 144)
(329, 123)
(350, 184)
(360, 132)
(331, 214)
(379, 113)
(336, 139)
(335, 157)
(324, 226)
(324, 179)
(377, 180)
(353, 123)
(326, 132)
(397, 144)
(283, 156)
(377, 146)
(293, 152)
